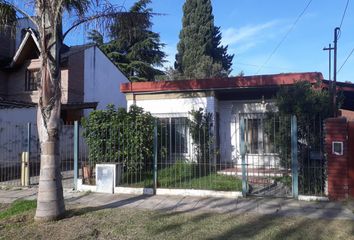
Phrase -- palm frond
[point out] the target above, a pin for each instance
(8, 18)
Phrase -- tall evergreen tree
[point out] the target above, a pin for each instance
(134, 47)
(199, 51)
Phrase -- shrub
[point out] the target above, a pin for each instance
(115, 135)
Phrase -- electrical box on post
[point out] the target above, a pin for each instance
(337, 148)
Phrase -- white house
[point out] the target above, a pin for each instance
(230, 100)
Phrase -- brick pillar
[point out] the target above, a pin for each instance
(351, 158)
(336, 129)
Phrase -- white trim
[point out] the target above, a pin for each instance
(22, 45)
(164, 191)
(198, 193)
(312, 198)
(85, 188)
(136, 191)
(171, 115)
(341, 148)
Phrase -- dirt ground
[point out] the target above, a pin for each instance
(129, 223)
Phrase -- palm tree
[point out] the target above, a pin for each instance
(48, 17)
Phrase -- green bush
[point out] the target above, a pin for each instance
(115, 135)
(200, 127)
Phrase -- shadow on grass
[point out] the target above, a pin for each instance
(121, 203)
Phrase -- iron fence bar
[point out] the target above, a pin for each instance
(294, 159)
(76, 153)
(155, 156)
(28, 152)
(243, 156)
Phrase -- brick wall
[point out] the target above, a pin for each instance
(336, 129)
(351, 158)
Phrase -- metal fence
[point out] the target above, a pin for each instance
(267, 161)
(17, 140)
(186, 157)
(177, 153)
(311, 155)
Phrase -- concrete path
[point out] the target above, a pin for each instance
(277, 206)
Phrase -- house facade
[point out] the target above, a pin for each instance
(230, 101)
(89, 80)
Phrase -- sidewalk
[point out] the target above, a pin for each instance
(277, 206)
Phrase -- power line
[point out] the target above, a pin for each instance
(343, 16)
(351, 52)
(257, 66)
(285, 36)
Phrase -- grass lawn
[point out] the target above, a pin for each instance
(126, 223)
(186, 175)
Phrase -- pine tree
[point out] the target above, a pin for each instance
(133, 47)
(200, 54)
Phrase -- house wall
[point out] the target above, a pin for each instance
(3, 84)
(18, 115)
(13, 139)
(16, 83)
(176, 105)
(7, 46)
(102, 80)
(229, 114)
(74, 84)
(229, 131)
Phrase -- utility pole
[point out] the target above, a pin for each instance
(329, 49)
(330, 87)
(334, 90)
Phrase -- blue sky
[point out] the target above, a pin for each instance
(253, 28)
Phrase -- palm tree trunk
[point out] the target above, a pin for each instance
(50, 202)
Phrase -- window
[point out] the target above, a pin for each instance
(31, 80)
(257, 140)
(179, 135)
(174, 134)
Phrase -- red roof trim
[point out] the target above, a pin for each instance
(223, 83)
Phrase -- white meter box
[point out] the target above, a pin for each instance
(107, 177)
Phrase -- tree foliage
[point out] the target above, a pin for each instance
(134, 47)
(115, 135)
(200, 54)
(200, 128)
(311, 105)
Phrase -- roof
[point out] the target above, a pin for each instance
(29, 42)
(257, 81)
(6, 104)
(68, 51)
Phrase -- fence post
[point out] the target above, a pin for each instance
(155, 156)
(243, 156)
(27, 163)
(76, 153)
(294, 159)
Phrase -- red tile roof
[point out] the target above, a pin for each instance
(221, 83)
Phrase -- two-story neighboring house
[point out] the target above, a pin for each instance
(89, 80)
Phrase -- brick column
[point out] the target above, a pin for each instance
(351, 158)
(336, 129)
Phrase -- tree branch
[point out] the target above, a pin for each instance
(21, 11)
(91, 18)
